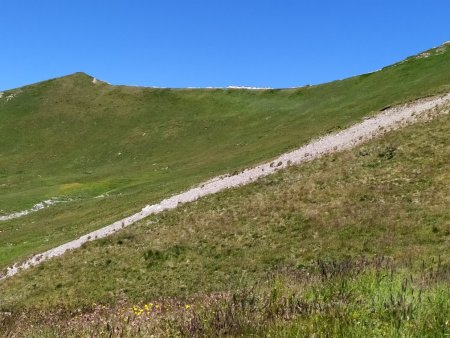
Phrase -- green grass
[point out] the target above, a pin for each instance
(320, 229)
(70, 138)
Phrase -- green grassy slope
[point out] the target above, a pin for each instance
(70, 137)
(388, 197)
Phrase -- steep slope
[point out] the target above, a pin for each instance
(387, 198)
(388, 120)
(75, 139)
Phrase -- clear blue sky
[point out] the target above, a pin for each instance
(183, 43)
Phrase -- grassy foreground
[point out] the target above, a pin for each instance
(354, 244)
(347, 299)
(74, 139)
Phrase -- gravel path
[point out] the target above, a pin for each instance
(389, 119)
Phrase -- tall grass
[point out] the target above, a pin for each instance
(361, 297)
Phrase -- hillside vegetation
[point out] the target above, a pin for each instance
(73, 139)
(353, 244)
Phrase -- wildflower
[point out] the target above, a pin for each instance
(187, 306)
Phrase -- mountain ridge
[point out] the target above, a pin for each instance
(82, 74)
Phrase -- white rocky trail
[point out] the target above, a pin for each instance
(389, 119)
(36, 207)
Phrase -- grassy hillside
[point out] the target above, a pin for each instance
(72, 138)
(355, 243)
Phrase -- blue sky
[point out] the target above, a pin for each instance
(193, 43)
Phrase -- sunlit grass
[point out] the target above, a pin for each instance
(355, 244)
